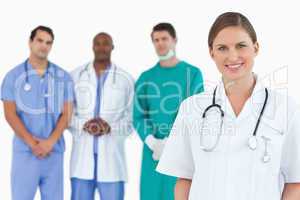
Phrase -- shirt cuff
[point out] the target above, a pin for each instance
(175, 172)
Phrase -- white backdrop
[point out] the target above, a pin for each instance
(130, 22)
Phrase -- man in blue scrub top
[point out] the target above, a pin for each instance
(37, 97)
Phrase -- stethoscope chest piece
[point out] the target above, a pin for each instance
(27, 87)
(252, 143)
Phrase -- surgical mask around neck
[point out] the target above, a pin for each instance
(171, 53)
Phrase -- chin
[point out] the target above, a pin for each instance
(162, 53)
(236, 72)
(102, 59)
(235, 77)
(42, 57)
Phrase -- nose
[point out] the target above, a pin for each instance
(159, 42)
(233, 55)
(44, 45)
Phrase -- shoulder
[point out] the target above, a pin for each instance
(191, 67)
(281, 109)
(123, 76)
(124, 73)
(61, 73)
(197, 103)
(150, 71)
(17, 70)
(280, 100)
(12, 77)
(147, 75)
(75, 73)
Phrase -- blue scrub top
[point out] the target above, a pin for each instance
(100, 83)
(41, 107)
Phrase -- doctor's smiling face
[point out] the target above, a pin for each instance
(233, 47)
(40, 44)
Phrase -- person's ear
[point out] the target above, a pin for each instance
(256, 48)
(29, 43)
(211, 53)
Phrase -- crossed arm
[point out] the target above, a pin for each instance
(40, 147)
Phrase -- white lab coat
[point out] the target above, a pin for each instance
(116, 108)
(233, 171)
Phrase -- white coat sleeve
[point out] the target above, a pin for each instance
(77, 121)
(290, 160)
(124, 127)
(177, 159)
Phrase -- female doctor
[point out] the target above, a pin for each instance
(241, 140)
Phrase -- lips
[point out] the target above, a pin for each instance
(162, 52)
(234, 65)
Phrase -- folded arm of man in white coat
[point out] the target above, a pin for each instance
(120, 128)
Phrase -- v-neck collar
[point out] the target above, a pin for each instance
(253, 105)
(92, 72)
(33, 71)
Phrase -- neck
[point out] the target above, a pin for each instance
(170, 62)
(38, 63)
(242, 87)
(101, 65)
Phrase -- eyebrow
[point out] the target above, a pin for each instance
(41, 39)
(163, 37)
(242, 42)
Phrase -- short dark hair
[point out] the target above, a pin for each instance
(103, 33)
(41, 28)
(164, 27)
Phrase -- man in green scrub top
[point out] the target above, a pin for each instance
(159, 92)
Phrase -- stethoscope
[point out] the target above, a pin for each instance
(27, 86)
(85, 69)
(252, 141)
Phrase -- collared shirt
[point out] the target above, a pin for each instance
(232, 171)
(100, 83)
(40, 107)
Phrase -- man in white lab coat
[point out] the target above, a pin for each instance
(101, 122)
